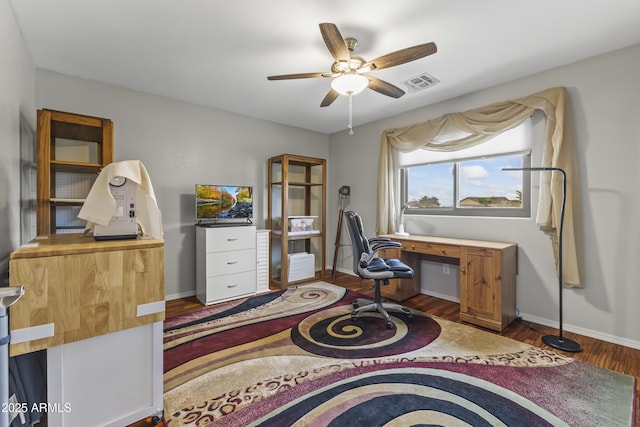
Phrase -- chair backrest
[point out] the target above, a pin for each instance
(359, 242)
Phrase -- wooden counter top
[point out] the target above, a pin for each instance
(67, 244)
(449, 241)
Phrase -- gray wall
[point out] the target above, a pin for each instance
(604, 93)
(181, 145)
(16, 110)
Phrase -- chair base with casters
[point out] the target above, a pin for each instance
(378, 304)
(367, 265)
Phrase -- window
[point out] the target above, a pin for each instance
(470, 181)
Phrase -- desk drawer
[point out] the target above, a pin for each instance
(432, 249)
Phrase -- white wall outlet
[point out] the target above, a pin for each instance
(445, 269)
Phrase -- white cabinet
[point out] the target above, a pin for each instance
(225, 262)
(262, 261)
(92, 384)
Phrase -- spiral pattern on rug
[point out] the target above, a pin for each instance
(332, 333)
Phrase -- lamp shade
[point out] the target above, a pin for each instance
(349, 84)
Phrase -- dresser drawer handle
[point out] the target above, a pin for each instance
(231, 262)
(232, 239)
(232, 286)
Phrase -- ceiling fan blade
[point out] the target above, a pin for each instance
(401, 56)
(328, 100)
(296, 76)
(385, 88)
(335, 42)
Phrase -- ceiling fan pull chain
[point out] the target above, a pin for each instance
(350, 114)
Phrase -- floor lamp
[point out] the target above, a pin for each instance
(557, 341)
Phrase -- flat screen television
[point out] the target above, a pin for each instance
(223, 202)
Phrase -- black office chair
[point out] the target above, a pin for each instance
(367, 265)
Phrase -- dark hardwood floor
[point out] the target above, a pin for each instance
(618, 358)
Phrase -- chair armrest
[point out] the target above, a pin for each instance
(365, 259)
(385, 245)
(378, 240)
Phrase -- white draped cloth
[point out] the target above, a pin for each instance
(100, 206)
(478, 126)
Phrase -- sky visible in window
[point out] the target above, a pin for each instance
(432, 181)
(478, 178)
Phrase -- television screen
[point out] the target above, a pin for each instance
(223, 202)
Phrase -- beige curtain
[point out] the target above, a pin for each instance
(479, 125)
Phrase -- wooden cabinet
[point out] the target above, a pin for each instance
(77, 288)
(225, 262)
(297, 219)
(487, 275)
(487, 286)
(72, 149)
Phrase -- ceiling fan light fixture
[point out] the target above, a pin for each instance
(349, 84)
(342, 66)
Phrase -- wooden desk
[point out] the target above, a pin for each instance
(487, 275)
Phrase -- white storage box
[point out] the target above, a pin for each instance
(301, 266)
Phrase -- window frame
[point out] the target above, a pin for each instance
(523, 212)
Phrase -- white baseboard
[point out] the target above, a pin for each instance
(439, 295)
(184, 294)
(582, 331)
(344, 270)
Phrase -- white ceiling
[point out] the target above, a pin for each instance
(219, 53)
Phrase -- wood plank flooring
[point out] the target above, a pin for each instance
(618, 358)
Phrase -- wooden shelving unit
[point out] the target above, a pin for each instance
(297, 216)
(72, 149)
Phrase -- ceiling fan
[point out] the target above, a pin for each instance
(348, 71)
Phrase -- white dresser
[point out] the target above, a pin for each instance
(225, 262)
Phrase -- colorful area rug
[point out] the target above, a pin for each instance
(295, 358)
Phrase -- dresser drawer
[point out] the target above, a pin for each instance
(230, 286)
(220, 263)
(432, 249)
(230, 238)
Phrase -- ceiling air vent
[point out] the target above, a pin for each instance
(423, 81)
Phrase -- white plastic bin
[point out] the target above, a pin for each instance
(301, 266)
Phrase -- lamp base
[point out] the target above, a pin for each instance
(401, 231)
(564, 344)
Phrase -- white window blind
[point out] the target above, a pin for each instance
(513, 141)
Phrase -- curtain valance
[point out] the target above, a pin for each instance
(479, 125)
